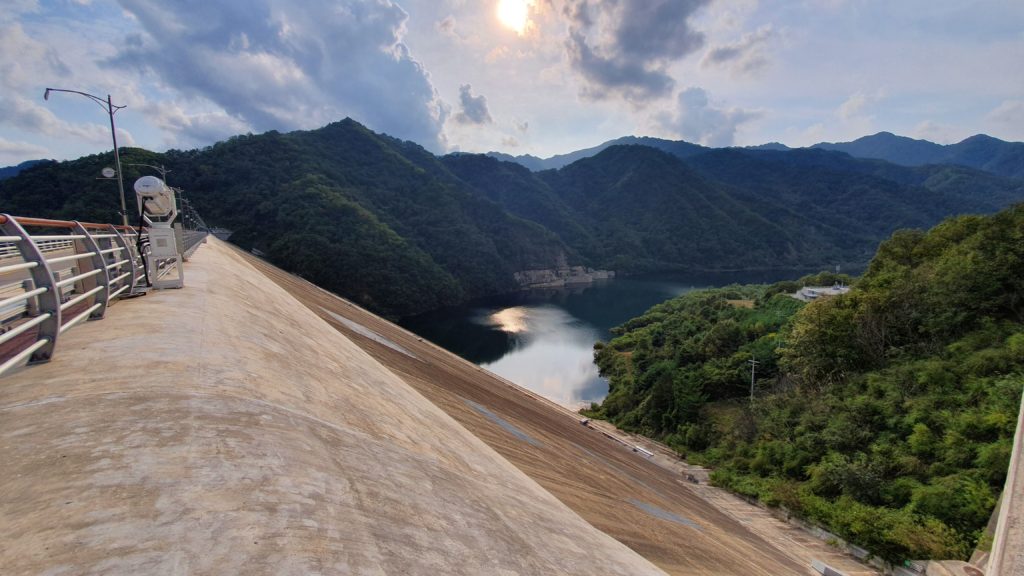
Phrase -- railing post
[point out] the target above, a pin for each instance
(42, 277)
(128, 255)
(98, 263)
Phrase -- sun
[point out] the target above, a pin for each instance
(514, 14)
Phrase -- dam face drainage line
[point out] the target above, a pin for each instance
(508, 426)
(364, 331)
(665, 514)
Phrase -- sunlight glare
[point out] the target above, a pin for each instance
(514, 14)
(511, 320)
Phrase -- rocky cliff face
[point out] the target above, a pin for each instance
(561, 276)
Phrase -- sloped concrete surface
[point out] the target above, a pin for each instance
(226, 429)
(1007, 557)
(643, 503)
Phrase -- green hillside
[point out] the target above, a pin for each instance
(886, 414)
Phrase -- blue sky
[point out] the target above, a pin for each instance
(540, 77)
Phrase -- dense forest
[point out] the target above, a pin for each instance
(401, 231)
(886, 414)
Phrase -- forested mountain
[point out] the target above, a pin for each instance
(979, 151)
(400, 230)
(378, 220)
(886, 414)
(635, 208)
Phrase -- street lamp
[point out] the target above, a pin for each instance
(110, 109)
(163, 171)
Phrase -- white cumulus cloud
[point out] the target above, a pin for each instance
(271, 64)
(697, 119)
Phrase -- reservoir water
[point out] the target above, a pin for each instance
(544, 339)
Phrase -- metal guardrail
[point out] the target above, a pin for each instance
(50, 282)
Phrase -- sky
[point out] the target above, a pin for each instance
(539, 77)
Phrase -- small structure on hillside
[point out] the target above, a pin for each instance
(809, 293)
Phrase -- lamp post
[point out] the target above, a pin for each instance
(110, 109)
(753, 365)
(163, 171)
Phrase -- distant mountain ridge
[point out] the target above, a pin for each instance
(11, 171)
(679, 148)
(980, 151)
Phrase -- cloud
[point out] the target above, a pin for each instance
(496, 53)
(472, 109)
(21, 103)
(271, 66)
(15, 9)
(12, 152)
(858, 105)
(695, 119)
(27, 59)
(183, 127)
(447, 26)
(1009, 112)
(744, 56)
(934, 132)
(509, 142)
(624, 48)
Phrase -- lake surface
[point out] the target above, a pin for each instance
(544, 339)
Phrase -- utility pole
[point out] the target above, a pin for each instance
(753, 365)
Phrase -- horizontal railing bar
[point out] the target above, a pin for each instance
(16, 267)
(100, 236)
(10, 238)
(24, 354)
(67, 325)
(117, 292)
(81, 297)
(23, 296)
(59, 237)
(119, 278)
(69, 258)
(111, 250)
(81, 276)
(21, 328)
(58, 223)
(116, 264)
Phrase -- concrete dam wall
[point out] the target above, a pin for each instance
(225, 428)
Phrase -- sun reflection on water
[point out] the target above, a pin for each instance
(511, 320)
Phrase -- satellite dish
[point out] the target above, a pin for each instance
(108, 172)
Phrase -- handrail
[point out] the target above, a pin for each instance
(47, 300)
(25, 221)
(86, 268)
(68, 279)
